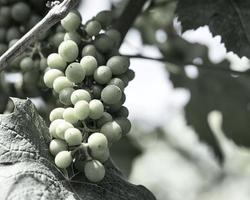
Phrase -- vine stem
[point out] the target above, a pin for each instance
(56, 13)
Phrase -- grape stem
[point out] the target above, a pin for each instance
(57, 12)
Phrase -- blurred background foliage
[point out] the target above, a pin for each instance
(180, 154)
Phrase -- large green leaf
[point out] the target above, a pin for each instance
(228, 18)
(27, 171)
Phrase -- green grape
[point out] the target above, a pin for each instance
(2, 34)
(50, 76)
(79, 95)
(57, 39)
(68, 50)
(117, 82)
(114, 35)
(63, 159)
(112, 130)
(96, 91)
(62, 127)
(53, 126)
(106, 117)
(26, 64)
(61, 83)
(124, 123)
(57, 113)
(70, 116)
(73, 36)
(94, 171)
(13, 33)
(64, 96)
(96, 109)
(56, 146)
(3, 48)
(90, 50)
(101, 156)
(115, 107)
(97, 142)
(122, 112)
(55, 61)
(102, 75)
(124, 78)
(71, 22)
(93, 27)
(130, 74)
(103, 43)
(43, 64)
(20, 12)
(82, 110)
(73, 137)
(111, 94)
(75, 72)
(105, 18)
(118, 64)
(89, 64)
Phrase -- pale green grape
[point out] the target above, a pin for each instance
(106, 117)
(55, 61)
(124, 123)
(103, 43)
(89, 64)
(26, 64)
(93, 27)
(94, 171)
(71, 22)
(56, 146)
(56, 113)
(118, 82)
(53, 126)
(112, 130)
(75, 72)
(97, 142)
(62, 127)
(73, 136)
(114, 35)
(20, 12)
(64, 96)
(70, 116)
(118, 64)
(61, 83)
(82, 110)
(68, 50)
(63, 159)
(73, 36)
(111, 94)
(102, 75)
(101, 156)
(96, 109)
(79, 95)
(105, 18)
(122, 112)
(50, 76)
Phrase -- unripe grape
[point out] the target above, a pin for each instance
(70, 116)
(102, 75)
(124, 78)
(71, 22)
(73, 137)
(73, 36)
(63, 159)
(82, 110)
(55, 61)
(96, 109)
(97, 142)
(75, 72)
(116, 107)
(57, 39)
(114, 35)
(122, 112)
(101, 156)
(61, 83)
(130, 74)
(112, 130)
(96, 91)
(62, 127)
(111, 94)
(26, 64)
(89, 64)
(103, 43)
(13, 33)
(20, 12)
(79, 95)
(117, 82)
(56, 146)
(68, 50)
(90, 50)
(118, 64)
(53, 126)
(57, 113)
(106, 117)
(124, 123)
(93, 27)
(94, 171)
(50, 76)
(105, 18)
(64, 96)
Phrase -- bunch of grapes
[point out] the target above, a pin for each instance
(88, 77)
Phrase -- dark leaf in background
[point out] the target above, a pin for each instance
(228, 18)
(27, 171)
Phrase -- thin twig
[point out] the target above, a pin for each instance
(54, 15)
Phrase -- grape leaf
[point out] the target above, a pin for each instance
(228, 18)
(27, 170)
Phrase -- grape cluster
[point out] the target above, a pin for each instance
(88, 77)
